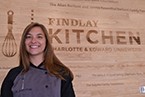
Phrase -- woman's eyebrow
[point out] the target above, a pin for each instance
(39, 34)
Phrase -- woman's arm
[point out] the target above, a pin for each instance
(67, 87)
(8, 82)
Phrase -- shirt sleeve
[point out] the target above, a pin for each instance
(8, 82)
(67, 87)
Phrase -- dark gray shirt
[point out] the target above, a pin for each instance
(36, 83)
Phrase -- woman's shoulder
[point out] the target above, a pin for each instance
(13, 72)
(67, 77)
(66, 74)
(17, 69)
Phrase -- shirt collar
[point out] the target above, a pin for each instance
(40, 66)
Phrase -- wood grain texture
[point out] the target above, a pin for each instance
(101, 41)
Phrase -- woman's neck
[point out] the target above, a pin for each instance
(36, 60)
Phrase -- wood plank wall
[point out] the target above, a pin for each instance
(101, 41)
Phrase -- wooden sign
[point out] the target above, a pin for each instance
(101, 41)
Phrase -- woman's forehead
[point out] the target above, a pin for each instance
(36, 30)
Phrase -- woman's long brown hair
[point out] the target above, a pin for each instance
(51, 62)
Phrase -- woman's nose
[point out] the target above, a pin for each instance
(34, 40)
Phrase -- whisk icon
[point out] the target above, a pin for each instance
(9, 47)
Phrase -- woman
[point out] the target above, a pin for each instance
(40, 73)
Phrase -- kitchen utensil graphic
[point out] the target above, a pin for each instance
(32, 16)
(9, 47)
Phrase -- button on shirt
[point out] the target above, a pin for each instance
(37, 82)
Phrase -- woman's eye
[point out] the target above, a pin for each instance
(40, 37)
(28, 36)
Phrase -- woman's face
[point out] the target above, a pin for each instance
(35, 42)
